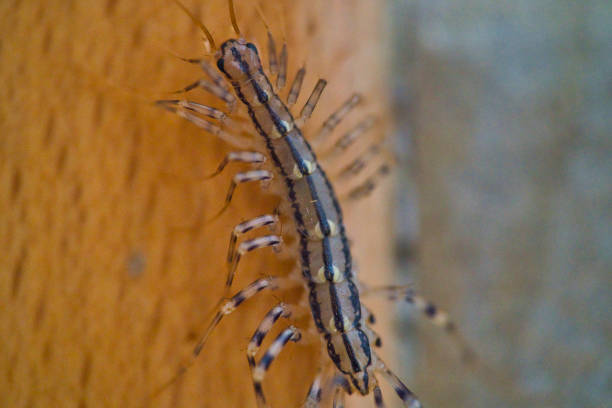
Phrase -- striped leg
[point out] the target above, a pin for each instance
(219, 91)
(296, 87)
(313, 397)
(259, 372)
(272, 54)
(210, 71)
(360, 163)
(216, 86)
(232, 157)
(238, 157)
(335, 118)
(350, 137)
(408, 398)
(282, 68)
(241, 178)
(365, 189)
(278, 311)
(273, 241)
(311, 102)
(339, 397)
(227, 307)
(339, 386)
(246, 226)
(208, 111)
(438, 317)
(223, 308)
(378, 398)
(187, 110)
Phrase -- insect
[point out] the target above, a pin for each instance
(326, 270)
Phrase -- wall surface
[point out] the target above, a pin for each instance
(102, 294)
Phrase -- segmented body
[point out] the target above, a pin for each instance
(324, 251)
(327, 272)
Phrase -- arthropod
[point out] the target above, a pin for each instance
(326, 271)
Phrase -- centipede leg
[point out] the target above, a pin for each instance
(282, 68)
(311, 102)
(356, 166)
(296, 87)
(339, 397)
(335, 118)
(434, 314)
(278, 311)
(249, 225)
(378, 398)
(187, 110)
(241, 178)
(259, 372)
(409, 399)
(273, 241)
(219, 91)
(313, 397)
(209, 70)
(223, 308)
(250, 157)
(349, 138)
(366, 187)
(272, 58)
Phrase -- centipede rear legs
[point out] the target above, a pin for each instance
(430, 311)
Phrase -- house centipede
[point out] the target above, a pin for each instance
(325, 264)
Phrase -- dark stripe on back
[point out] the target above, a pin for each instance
(300, 224)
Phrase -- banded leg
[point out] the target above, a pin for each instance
(339, 398)
(246, 226)
(278, 311)
(238, 157)
(259, 372)
(209, 70)
(359, 164)
(241, 178)
(341, 388)
(208, 111)
(223, 308)
(186, 110)
(350, 137)
(250, 157)
(219, 91)
(273, 61)
(365, 189)
(311, 102)
(229, 306)
(282, 68)
(409, 399)
(335, 118)
(313, 397)
(378, 398)
(436, 316)
(247, 246)
(296, 87)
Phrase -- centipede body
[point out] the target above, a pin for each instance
(323, 254)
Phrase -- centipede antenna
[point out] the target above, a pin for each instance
(193, 18)
(261, 17)
(232, 11)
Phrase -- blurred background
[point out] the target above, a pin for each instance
(503, 110)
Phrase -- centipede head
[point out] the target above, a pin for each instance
(238, 59)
